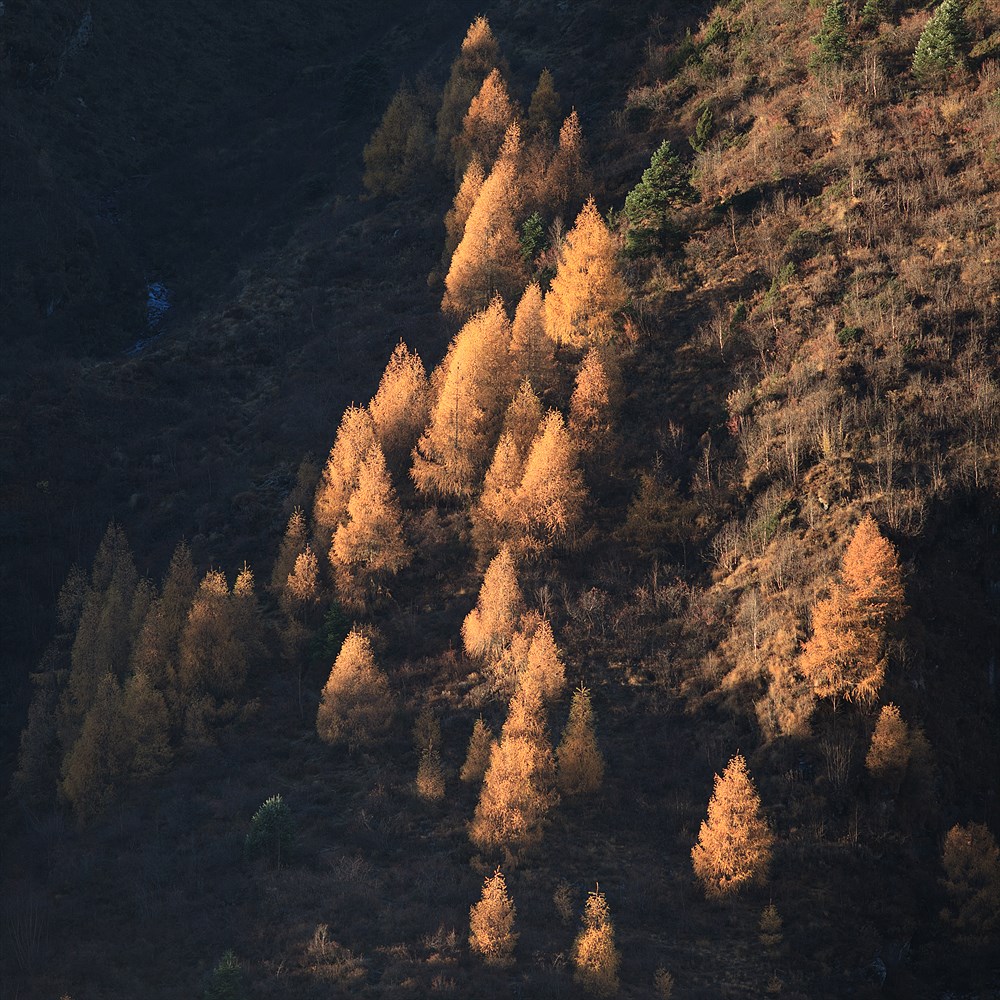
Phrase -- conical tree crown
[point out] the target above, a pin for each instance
(401, 406)
(531, 349)
(889, 752)
(595, 954)
(356, 707)
(587, 291)
(291, 545)
(477, 757)
(489, 627)
(566, 174)
(581, 766)
(590, 404)
(465, 198)
(544, 107)
(873, 574)
(473, 389)
(490, 114)
(942, 44)
(487, 262)
(400, 147)
(665, 185)
(491, 923)
(734, 843)
(355, 436)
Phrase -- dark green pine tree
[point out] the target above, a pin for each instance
(942, 44)
(665, 185)
(831, 39)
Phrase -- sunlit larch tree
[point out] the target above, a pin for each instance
(490, 625)
(531, 349)
(590, 405)
(472, 389)
(549, 502)
(518, 789)
(401, 405)
(845, 657)
(478, 56)
(294, 541)
(734, 842)
(587, 292)
(488, 261)
(356, 706)
(369, 546)
(355, 436)
(595, 955)
(578, 758)
(458, 215)
(566, 178)
(491, 923)
(490, 114)
(889, 751)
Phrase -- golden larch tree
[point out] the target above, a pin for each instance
(491, 624)
(339, 479)
(531, 350)
(587, 292)
(549, 502)
(517, 791)
(490, 114)
(590, 405)
(458, 215)
(472, 390)
(565, 179)
(401, 406)
(212, 652)
(401, 147)
(845, 657)
(294, 541)
(477, 757)
(578, 758)
(369, 546)
(478, 56)
(595, 956)
(543, 667)
(889, 751)
(734, 843)
(356, 706)
(492, 517)
(491, 923)
(487, 261)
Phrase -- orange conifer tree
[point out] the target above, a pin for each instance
(581, 766)
(490, 625)
(531, 349)
(590, 405)
(473, 387)
(595, 954)
(339, 479)
(491, 923)
(734, 843)
(587, 292)
(490, 114)
(550, 499)
(369, 546)
(458, 215)
(889, 751)
(401, 406)
(291, 545)
(487, 261)
(356, 707)
(477, 757)
(566, 176)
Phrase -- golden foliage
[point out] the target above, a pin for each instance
(490, 625)
(491, 923)
(543, 667)
(581, 766)
(369, 546)
(844, 658)
(339, 479)
(473, 387)
(587, 292)
(479, 54)
(477, 757)
(401, 406)
(549, 502)
(291, 545)
(595, 955)
(734, 843)
(487, 260)
(517, 790)
(590, 404)
(302, 585)
(490, 114)
(971, 862)
(356, 706)
(458, 215)
(566, 176)
(531, 349)
(889, 753)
